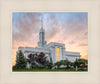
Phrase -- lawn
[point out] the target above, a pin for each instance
(48, 70)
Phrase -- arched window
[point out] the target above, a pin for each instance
(58, 54)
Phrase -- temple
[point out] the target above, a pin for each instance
(53, 51)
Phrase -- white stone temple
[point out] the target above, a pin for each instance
(53, 51)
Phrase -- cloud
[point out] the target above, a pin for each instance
(84, 57)
(72, 42)
(26, 26)
(52, 27)
(83, 44)
(86, 33)
(66, 28)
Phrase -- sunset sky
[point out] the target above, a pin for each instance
(68, 28)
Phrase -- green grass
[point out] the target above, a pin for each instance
(47, 70)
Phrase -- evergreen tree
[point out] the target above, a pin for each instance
(21, 60)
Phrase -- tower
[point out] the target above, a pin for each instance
(42, 41)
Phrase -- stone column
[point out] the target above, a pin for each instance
(52, 49)
(55, 54)
(61, 54)
(63, 51)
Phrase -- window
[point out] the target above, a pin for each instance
(58, 54)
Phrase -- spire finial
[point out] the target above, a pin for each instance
(41, 21)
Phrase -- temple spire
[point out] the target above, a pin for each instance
(42, 41)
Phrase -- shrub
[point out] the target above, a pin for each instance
(63, 62)
(34, 66)
(57, 64)
(49, 65)
(37, 66)
(41, 66)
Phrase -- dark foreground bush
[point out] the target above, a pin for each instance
(49, 65)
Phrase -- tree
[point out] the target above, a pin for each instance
(82, 63)
(32, 59)
(21, 61)
(35, 59)
(76, 64)
(49, 65)
(41, 59)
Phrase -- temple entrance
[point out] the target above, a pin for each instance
(58, 54)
